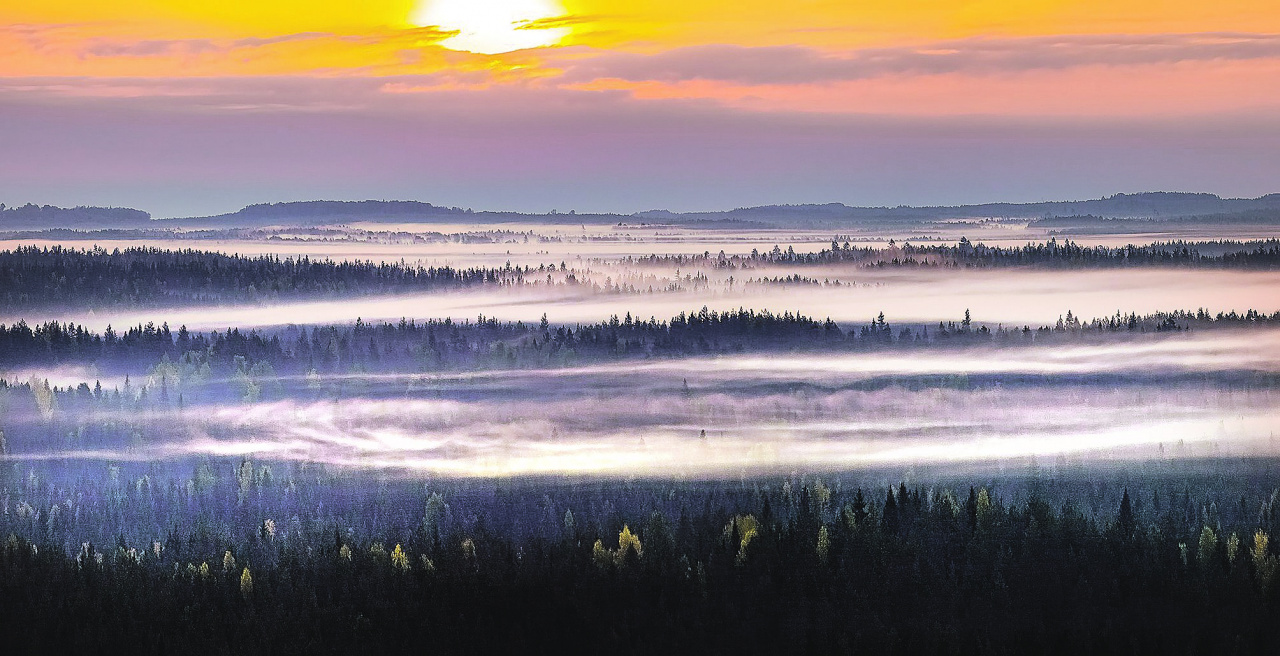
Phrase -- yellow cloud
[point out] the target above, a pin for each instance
(224, 18)
(189, 38)
(843, 24)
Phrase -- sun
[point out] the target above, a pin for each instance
(493, 26)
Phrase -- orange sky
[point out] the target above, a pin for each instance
(160, 38)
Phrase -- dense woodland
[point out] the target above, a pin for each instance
(169, 376)
(277, 235)
(110, 543)
(966, 254)
(236, 557)
(33, 277)
(435, 345)
(41, 217)
(51, 277)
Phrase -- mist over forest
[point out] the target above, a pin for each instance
(587, 326)
(332, 426)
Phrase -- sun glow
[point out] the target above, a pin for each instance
(494, 26)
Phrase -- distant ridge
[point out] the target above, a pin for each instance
(311, 210)
(42, 217)
(1159, 205)
(1119, 208)
(1148, 205)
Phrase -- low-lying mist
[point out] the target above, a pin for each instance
(1178, 396)
(1013, 297)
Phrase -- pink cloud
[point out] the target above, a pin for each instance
(979, 56)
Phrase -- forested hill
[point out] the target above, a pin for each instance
(44, 217)
(1145, 206)
(330, 212)
(325, 212)
(1149, 205)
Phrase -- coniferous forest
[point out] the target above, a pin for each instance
(594, 327)
(1045, 562)
(821, 449)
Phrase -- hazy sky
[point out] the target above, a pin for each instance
(185, 107)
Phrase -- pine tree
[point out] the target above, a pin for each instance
(1124, 521)
(824, 545)
(971, 509)
(889, 522)
(1208, 547)
(859, 509)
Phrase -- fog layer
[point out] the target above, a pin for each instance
(1187, 395)
(1011, 297)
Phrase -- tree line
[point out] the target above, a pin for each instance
(32, 277)
(444, 344)
(1053, 254)
(238, 558)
